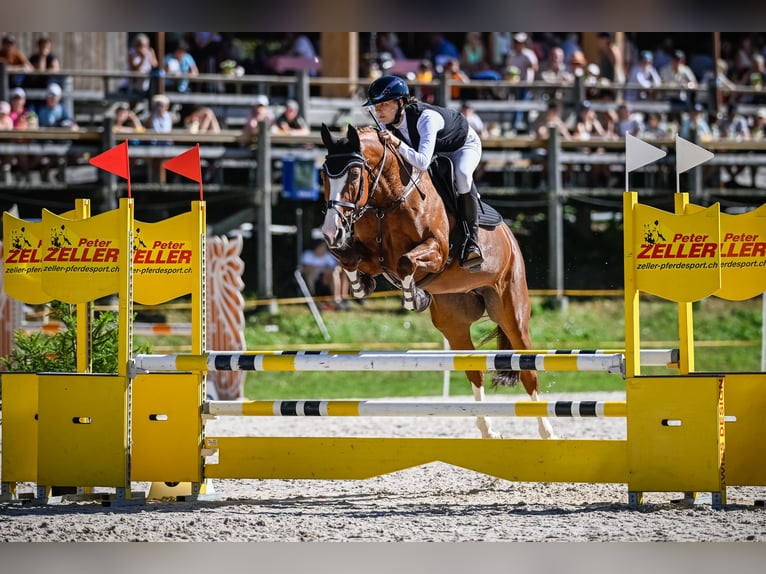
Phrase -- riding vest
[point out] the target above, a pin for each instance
(450, 138)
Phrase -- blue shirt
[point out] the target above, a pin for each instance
(52, 117)
(182, 66)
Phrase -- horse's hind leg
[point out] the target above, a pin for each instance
(453, 315)
(511, 311)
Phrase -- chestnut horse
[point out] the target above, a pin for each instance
(383, 219)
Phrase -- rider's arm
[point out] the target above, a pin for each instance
(429, 123)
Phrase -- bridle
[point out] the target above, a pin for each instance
(357, 210)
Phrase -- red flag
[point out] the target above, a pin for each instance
(187, 164)
(114, 161)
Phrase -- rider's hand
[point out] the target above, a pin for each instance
(387, 138)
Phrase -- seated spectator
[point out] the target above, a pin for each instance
(625, 122)
(677, 73)
(695, 127)
(53, 114)
(323, 274)
(758, 129)
(453, 72)
(160, 120)
(424, 74)
(202, 120)
(6, 123)
(589, 127)
(654, 127)
(21, 116)
(644, 74)
(473, 56)
(577, 65)
(541, 129)
(126, 120)
(180, 61)
(259, 113)
(474, 120)
(555, 71)
(141, 58)
(290, 121)
(12, 56)
(731, 126)
(44, 60)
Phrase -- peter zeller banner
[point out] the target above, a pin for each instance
(677, 257)
(164, 257)
(24, 255)
(81, 259)
(743, 254)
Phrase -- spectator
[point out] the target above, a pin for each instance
(654, 128)
(541, 129)
(644, 74)
(570, 44)
(290, 121)
(500, 47)
(453, 72)
(299, 45)
(388, 42)
(22, 119)
(259, 113)
(44, 60)
(6, 123)
(577, 64)
(722, 81)
(758, 129)
(440, 50)
(474, 120)
(323, 274)
(626, 123)
(611, 61)
(160, 120)
(20, 114)
(54, 113)
(126, 120)
(202, 120)
(589, 127)
(425, 73)
(180, 61)
(524, 61)
(143, 59)
(677, 73)
(695, 127)
(732, 126)
(12, 56)
(555, 70)
(473, 56)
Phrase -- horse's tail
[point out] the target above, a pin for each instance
(502, 378)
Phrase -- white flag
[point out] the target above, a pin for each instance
(638, 153)
(689, 155)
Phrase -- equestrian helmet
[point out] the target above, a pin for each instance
(386, 88)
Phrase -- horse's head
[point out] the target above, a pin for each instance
(348, 181)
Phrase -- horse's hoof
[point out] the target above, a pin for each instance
(419, 302)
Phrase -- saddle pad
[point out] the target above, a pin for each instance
(488, 216)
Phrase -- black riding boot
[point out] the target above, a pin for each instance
(468, 204)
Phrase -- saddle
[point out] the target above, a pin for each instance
(442, 174)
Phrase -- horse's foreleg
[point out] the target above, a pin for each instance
(426, 256)
(361, 284)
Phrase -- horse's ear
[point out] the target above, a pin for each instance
(353, 138)
(327, 136)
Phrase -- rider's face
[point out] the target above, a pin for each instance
(386, 111)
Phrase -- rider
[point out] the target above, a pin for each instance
(419, 130)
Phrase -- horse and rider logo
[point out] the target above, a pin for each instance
(59, 237)
(652, 233)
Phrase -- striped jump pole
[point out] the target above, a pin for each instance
(381, 361)
(415, 409)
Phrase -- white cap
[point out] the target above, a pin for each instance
(53, 89)
(261, 100)
(18, 92)
(520, 37)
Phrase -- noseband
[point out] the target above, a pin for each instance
(355, 159)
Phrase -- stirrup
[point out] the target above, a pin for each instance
(472, 257)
